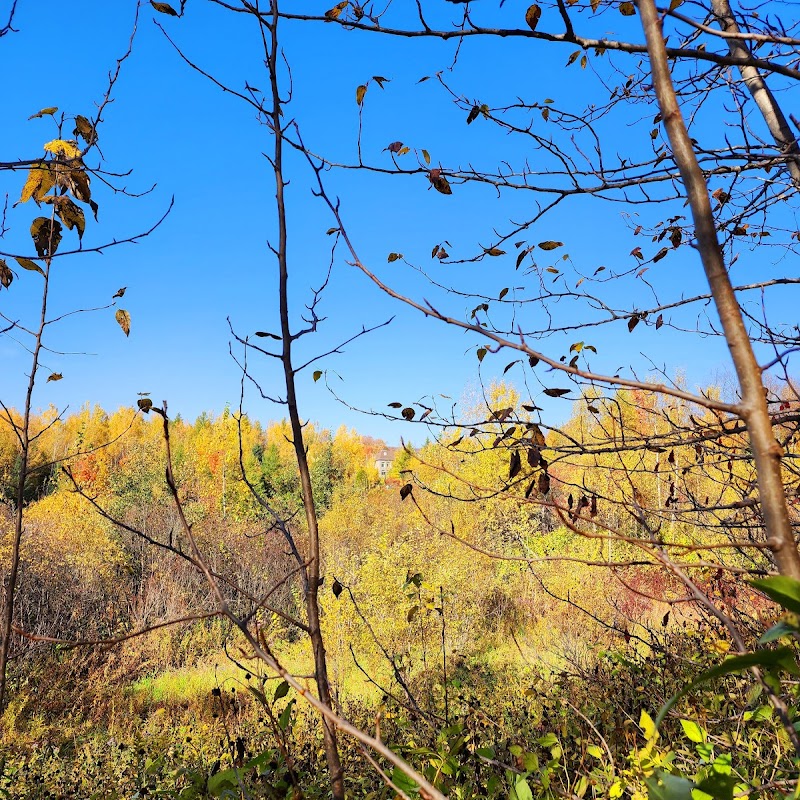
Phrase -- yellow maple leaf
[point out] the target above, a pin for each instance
(64, 148)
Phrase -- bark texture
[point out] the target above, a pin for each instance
(753, 410)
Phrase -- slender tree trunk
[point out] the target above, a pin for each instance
(313, 568)
(10, 589)
(753, 407)
(763, 97)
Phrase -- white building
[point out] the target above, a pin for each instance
(384, 460)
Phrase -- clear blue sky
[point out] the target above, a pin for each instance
(172, 128)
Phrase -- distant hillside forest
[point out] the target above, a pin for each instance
(463, 613)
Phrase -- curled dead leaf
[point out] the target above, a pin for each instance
(164, 8)
(123, 319)
(439, 182)
(85, 129)
(515, 465)
(78, 183)
(543, 483)
(46, 235)
(532, 16)
(70, 214)
(6, 275)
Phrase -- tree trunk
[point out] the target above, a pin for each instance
(753, 407)
(764, 99)
(312, 571)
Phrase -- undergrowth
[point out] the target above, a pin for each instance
(496, 728)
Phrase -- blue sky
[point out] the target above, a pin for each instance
(208, 260)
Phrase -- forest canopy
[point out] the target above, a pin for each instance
(580, 577)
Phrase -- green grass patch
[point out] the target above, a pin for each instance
(187, 684)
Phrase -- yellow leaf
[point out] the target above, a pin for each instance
(648, 726)
(56, 376)
(31, 185)
(124, 320)
(38, 183)
(627, 9)
(26, 263)
(49, 110)
(360, 92)
(333, 13)
(63, 148)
